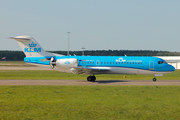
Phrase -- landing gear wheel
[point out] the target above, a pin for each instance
(154, 79)
(91, 78)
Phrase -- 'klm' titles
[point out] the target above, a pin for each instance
(34, 49)
(31, 50)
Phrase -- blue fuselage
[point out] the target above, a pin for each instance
(141, 63)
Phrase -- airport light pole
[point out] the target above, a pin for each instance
(68, 43)
(83, 50)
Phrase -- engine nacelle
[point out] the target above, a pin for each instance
(70, 62)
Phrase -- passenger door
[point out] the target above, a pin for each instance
(151, 65)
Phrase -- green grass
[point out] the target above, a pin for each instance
(89, 102)
(56, 75)
(13, 62)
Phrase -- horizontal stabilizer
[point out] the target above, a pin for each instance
(19, 38)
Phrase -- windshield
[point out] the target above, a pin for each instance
(162, 62)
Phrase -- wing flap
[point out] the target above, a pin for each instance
(91, 70)
(98, 68)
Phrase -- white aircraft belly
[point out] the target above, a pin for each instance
(120, 70)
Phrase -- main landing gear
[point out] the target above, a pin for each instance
(91, 78)
(154, 79)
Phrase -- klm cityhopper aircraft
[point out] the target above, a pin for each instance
(92, 65)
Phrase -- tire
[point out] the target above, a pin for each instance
(93, 78)
(89, 78)
(154, 79)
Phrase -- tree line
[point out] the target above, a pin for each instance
(19, 55)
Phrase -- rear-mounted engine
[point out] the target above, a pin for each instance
(71, 62)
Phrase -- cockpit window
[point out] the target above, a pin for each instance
(162, 62)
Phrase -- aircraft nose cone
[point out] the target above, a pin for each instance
(171, 68)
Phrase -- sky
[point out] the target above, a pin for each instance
(94, 24)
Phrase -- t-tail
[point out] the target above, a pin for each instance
(31, 47)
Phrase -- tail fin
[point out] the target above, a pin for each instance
(31, 48)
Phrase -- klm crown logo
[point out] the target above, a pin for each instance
(32, 45)
(67, 62)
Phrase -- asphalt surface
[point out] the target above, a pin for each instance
(84, 82)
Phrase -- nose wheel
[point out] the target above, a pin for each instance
(154, 79)
(91, 78)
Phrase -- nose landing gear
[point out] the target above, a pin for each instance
(154, 79)
(91, 78)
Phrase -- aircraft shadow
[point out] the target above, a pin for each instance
(109, 81)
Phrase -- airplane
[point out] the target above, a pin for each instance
(92, 65)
